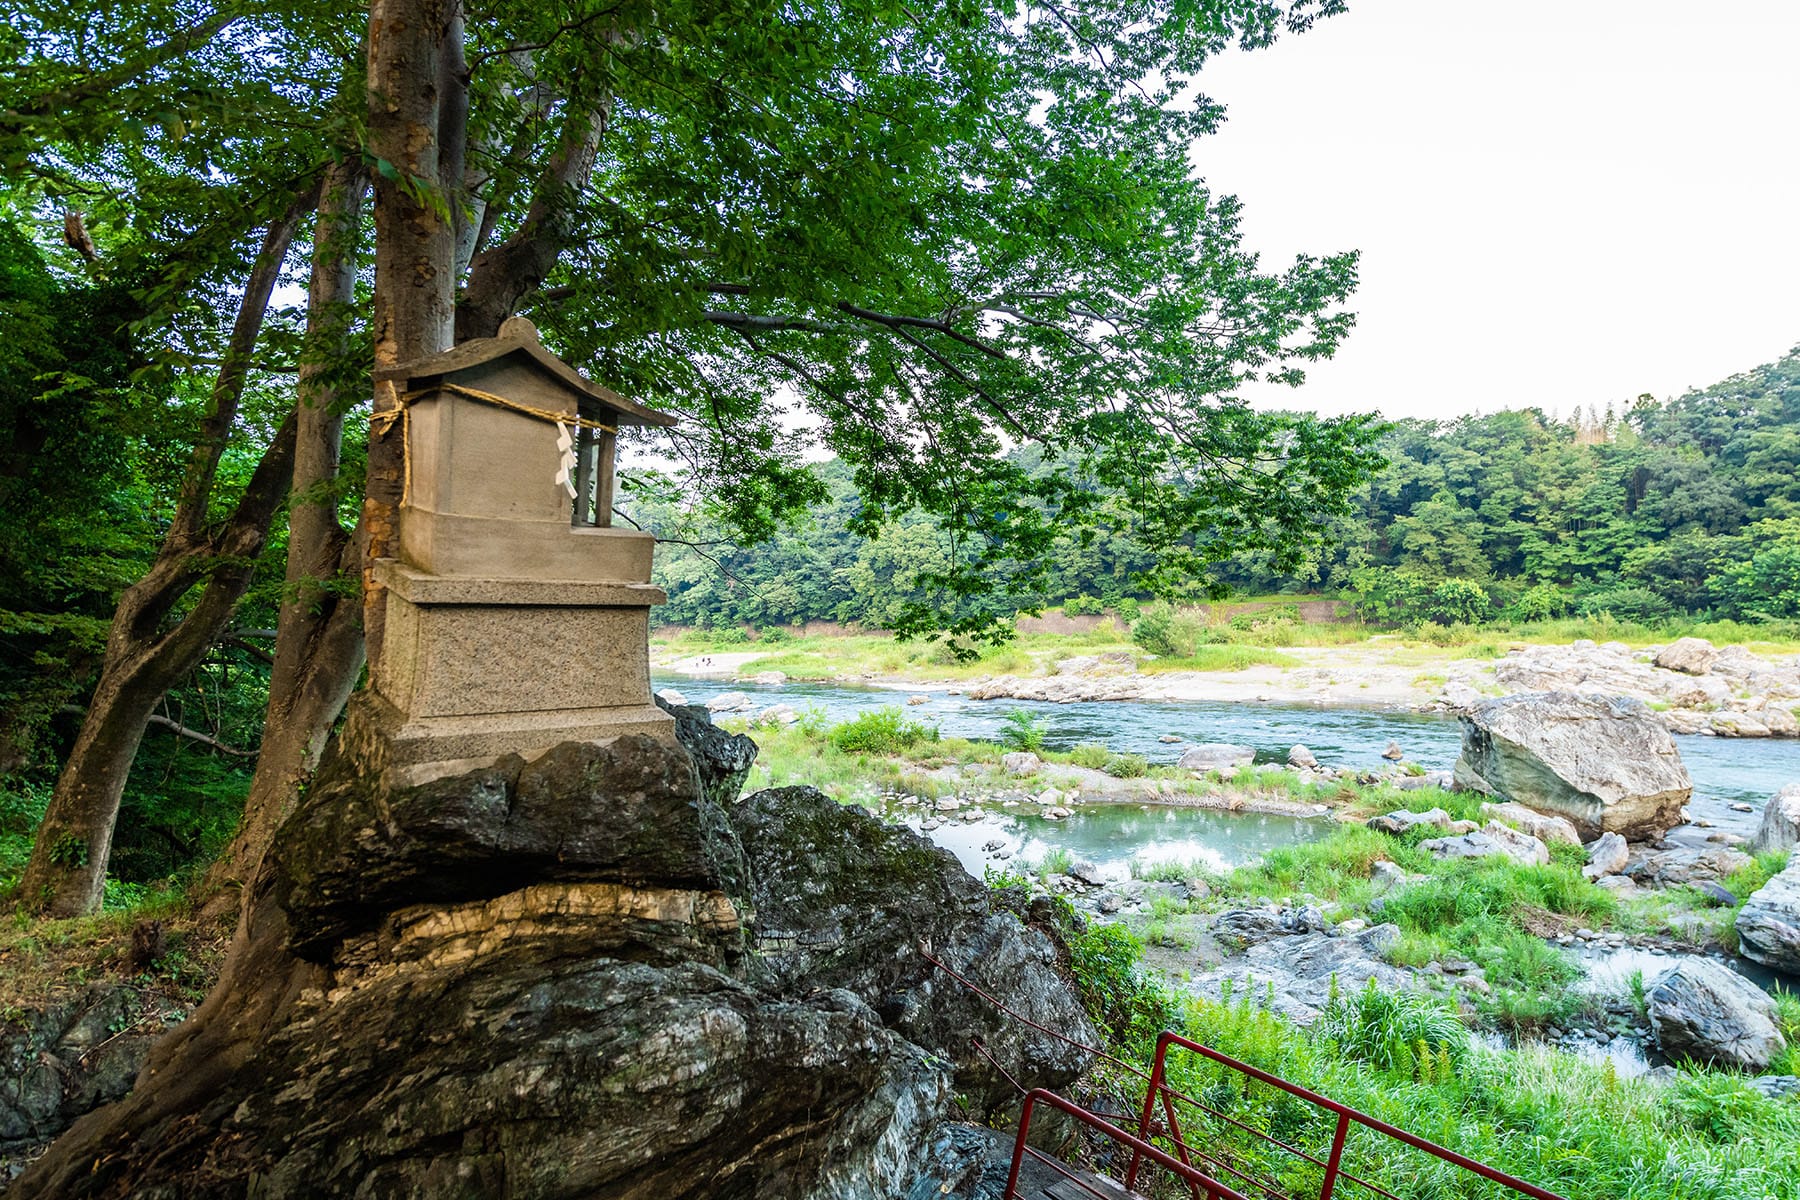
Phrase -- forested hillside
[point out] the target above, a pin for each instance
(1686, 506)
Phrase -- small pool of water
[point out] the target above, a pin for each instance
(1114, 836)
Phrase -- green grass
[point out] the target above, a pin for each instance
(1221, 658)
(1548, 1117)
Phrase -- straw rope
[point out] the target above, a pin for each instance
(383, 421)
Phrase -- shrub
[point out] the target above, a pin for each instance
(1458, 602)
(1090, 754)
(1127, 609)
(1082, 606)
(1125, 1003)
(881, 731)
(1126, 766)
(1023, 731)
(1626, 604)
(774, 636)
(1542, 602)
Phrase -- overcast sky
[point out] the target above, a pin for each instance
(1559, 202)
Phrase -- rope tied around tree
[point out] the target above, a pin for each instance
(380, 423)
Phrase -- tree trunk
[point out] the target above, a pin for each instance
(318, 642)
(415, 245)
(145, 656)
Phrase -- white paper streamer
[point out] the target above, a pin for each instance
(565, 445)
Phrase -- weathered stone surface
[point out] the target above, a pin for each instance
(1689, 655)
(1301, 971)
(61, 1061)
(1607, 855)
(1495, 838)
(1021, 762)
(574, 1012)
(1605, 763)
(842, 900)
(1684, 864)
(1542, 826)
(1402, 821)
(1300, 756)
(1768, 926)
(627, 811)
(722, 759)
(1211, 756)
(729, 702)
(1780, 828)
(1700, 1010)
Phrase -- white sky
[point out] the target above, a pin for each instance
(1559, 202)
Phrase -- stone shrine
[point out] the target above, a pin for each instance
(517, 617)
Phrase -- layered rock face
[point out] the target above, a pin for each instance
(1603, 762)
(1768, 926)
(1699, 1010)
(581, 976)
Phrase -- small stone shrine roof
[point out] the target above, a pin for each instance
(519, 336)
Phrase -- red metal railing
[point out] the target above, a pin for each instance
(1159, 1092)
(1139, 1147)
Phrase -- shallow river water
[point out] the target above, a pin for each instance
(1725, 771)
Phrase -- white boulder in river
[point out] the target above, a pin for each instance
(1780, 829)
(1211, 756)
(1768, 926)
(1604, 762)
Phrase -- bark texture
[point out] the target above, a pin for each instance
(318, 642)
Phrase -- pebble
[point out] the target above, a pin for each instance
(1740, 807)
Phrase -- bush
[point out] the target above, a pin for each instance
(773, 636)
(881, 731)
(1082, 606)
(1458, 602)
(1128, 609)
(1542, 602)
(1126, 766)
(1090, 754)
(1627, 604)
(1125, 1003)
(1170, 634)
(1023, 731)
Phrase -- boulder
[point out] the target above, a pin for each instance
(1781, 722)
(1300, 756)
(1385, 876)
(1738, 725)
(1495, 838)
(917, 700)
(1021, 763)
(1701, 1011)
(1296, 975)
(1780, 828)
(1689, 655)
(1401, 821)
(1539, 825)
(1607, 855)
(723, 760)
(1605, 763)
(729, 702)
(844, 901)
(769, 678)
(1212, 756)
(1768, 926)
(669, 696)
(1685, 864)
(776, 714)
(1393, 752)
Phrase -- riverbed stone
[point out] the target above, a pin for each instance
(1603, 762)
(1385, 876)
(1780, 828)
(1295, 975)
(1021, 763)
(1702, 1011)
(1212, 756)
(1402, 821)
(1494, 838)
(1543, 826)
(729, 702)
(1684, 864)
(1300, 756)
(1607, 855)
(1768, 926)
(1689, 655)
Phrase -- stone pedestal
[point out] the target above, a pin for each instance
(475, 668)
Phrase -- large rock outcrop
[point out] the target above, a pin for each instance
(577, 977)
(1768, 926)
(1604, 762)
(1699, 1010)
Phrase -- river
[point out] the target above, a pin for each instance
(1725, 770)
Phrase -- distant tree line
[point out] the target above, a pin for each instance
(1689, 506)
